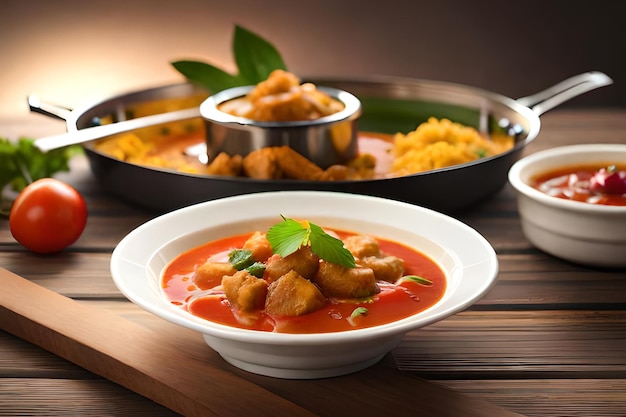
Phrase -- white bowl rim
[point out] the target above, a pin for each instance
(515, 176)
(486, 265)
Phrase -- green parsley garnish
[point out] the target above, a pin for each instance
(255, 57)
(290, 235)
(22, 163)
(415, 278)
(257, 269)
(242, 259)
(359, 311)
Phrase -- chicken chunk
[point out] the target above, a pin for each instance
(340, 282)
(293, 295)
(281, 98)
(296, 166)
(334, 173)
(386, 268)
(244, 291)
(303, 261)
(260, 246)
(226, 165)
(362, 245)
(262, 164)
(209, 274)
(279, 81)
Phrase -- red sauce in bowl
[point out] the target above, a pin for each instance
(602, 184)
(394, 302)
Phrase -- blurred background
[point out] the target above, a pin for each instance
(74, 52)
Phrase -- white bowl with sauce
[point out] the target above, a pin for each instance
(581, 232)
(468, 261)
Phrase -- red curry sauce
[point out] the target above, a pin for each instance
(603, 184)
(394, 302)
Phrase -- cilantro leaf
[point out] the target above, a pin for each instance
(240, 258)
(287, 237)
(257, 269)
(290, 235)
(330, 248)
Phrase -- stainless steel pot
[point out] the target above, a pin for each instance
(389, 104)
(325, 141)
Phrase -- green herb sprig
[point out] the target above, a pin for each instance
(415, 278)
(359, 311)
(22, 163)
(255, 57)
(242, 259)
(290, 235)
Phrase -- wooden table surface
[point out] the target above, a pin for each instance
(548, 340)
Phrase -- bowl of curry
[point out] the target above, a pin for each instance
(572, 202)
(303, 284)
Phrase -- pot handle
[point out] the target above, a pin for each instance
(50, 110)
(565, 90)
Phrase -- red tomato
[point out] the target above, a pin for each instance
(47, 216)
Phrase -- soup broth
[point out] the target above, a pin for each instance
(395, 301)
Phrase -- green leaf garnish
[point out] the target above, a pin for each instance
(255, 57)
(207, 76)
(290, 235)
(359, 311)
(257, 269)
(22, 163)
(240, 258)
(415, 278)
(329, 247)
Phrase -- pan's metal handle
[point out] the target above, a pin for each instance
(565, 90)
(51, 110)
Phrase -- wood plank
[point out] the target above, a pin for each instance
(200, 382)
(550, 397)
(26, 368)
(518, 345)
(74, 397)
(143, 363)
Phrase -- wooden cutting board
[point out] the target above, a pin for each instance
(152, 363)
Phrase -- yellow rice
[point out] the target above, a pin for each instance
(442, 143)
